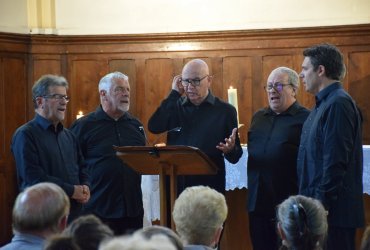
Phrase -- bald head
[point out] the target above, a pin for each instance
(196, 69)
(40, 207)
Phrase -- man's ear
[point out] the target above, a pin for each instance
(63, 223)
(39, 101)
(321, 70)
(217, 236)
(281, 231)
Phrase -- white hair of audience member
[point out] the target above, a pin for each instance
(302, 223)
(138, 242)
(199, 213)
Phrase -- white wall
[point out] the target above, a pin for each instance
(160, 16)
(13, 16)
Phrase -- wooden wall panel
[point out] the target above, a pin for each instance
(83, 81)
(237, 72)
(359, 79)
(159, 74)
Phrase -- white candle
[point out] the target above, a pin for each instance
(232, 95)
(80, 114)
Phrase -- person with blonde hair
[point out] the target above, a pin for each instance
(302, 223)
(199, 214)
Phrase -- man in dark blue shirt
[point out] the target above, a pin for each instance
(273, 141)
(116, 189)
(45, 151)
(206, 122)
(330, 154)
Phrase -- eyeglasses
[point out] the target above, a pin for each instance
(278, 86)
(57, 97)
(194, 82)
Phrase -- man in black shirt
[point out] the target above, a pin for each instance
(45, 151)
(116, 189)
(273, 141)
(330, 158)
(206, 122)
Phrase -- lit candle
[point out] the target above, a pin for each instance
(80, 114)
(232, 95)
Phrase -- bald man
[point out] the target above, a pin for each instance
(206, 122)
(39, 212)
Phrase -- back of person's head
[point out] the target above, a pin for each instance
(365, 242)
(302, 223)
(88, 232)
(41, 207)
(150, 231)
(138, 242)
(328, 56)
(199, 213)
(42, 86)
(59, 242)
(106, 82)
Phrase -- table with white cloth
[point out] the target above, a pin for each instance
(236, 177)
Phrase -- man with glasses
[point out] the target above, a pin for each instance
(206, 122)
(273, 141)
(45, 151)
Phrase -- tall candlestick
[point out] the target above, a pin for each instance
(80, 114)
(232, 95)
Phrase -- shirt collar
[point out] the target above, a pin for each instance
(292, 110)
(209, 99)
(45, 123)
(326, 91)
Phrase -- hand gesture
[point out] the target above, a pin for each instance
(229, 143)
(176, 84)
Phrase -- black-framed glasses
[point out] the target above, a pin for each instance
(195, 82)
(57, 97)
(278, 86)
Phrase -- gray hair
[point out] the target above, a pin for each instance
(42, 86)
(40, 207)
(137, 241)
(293, 77)
(303, 221)
(198, 212)
(106, 82)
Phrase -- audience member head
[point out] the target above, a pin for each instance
(114, 91)
(60, 242)
(88, 232)
(138, 242)
(302, 223)
(365, 242)
(282, 87)
(149, 232)
(49, 95)
(41, 209)
(199, 213)
(196, 81)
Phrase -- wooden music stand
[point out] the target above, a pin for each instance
(167, 160)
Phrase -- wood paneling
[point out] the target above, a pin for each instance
(243, 59)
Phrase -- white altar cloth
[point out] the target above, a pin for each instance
(236, 177)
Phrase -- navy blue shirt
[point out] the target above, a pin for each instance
(45, 155)
(330, 157)
(273, 141)
(115, 187)
(202, 126)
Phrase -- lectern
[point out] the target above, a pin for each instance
(167, 160)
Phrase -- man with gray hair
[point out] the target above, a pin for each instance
(273, 141)
(39, 212)
(199, 214)
(116, 188)
(45, 151)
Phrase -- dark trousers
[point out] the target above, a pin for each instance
(263, 233)
(341, 238)
(125, 225)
